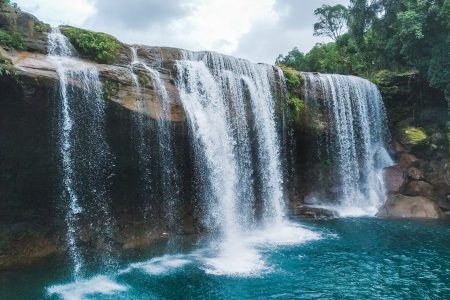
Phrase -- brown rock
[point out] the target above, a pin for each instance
(415, 174)
(405, 161)
(310, 212)
(28, 250)
(419, 188)
(394, 179)
(397, 147)
(401, 206)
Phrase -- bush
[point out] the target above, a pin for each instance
(413, 136)
(6, 68)
(296, 107)
(41, 26)
(294, 80)
(11, 39)
(100, 47)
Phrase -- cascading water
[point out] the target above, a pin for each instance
(83, 151)
(169, 179)
(230, 108)
(356, 137)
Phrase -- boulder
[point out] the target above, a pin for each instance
(34, 32)
(419, 188)
(397, 147)
(394, 179)
(401, 206)
(311, 212)
(415, 174)
(406, 160)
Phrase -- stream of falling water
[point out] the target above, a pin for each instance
(84, 153)
(230, 107)
(169, 177)
(356, 138)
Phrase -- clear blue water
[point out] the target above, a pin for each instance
(356, 258)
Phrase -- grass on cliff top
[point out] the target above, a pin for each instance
(100, 47)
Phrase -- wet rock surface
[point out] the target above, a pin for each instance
(401, 206)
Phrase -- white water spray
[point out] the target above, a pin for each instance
(230, 107)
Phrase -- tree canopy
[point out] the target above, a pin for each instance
(395, 35)
(332, 21)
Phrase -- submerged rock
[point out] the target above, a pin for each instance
(401, 206)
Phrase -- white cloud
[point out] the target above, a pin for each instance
(55, 12)
(255, 29)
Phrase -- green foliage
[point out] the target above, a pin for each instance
(41, 26)
(143, 80)
(413, 136)
(293, 59)
(395, 35)
(296, 108)
(331, 21)
(11, 39)
(98, 46)
(9, 4)
(6, 68)
(5, 2)
(294, 80)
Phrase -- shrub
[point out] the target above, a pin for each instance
(413, 136)
(11, 39)
(6, 68)
(41, 26)
(296, 107)
(101, 47)
(294, 80)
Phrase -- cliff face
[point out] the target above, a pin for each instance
(419, 124)
(31, 216)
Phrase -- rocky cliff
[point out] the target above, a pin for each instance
(32, 221)
(420, 129)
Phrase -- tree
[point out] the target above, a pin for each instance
(332, 21)
(294, 59)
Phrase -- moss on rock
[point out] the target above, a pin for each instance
(413, 136)
(100, 47)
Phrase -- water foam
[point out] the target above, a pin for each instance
(79, 290)
(161, 265)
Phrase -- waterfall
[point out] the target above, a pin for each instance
(356, 137)
(169, 178)
(230, 108)
(84, 155)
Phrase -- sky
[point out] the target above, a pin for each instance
(258, 30)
